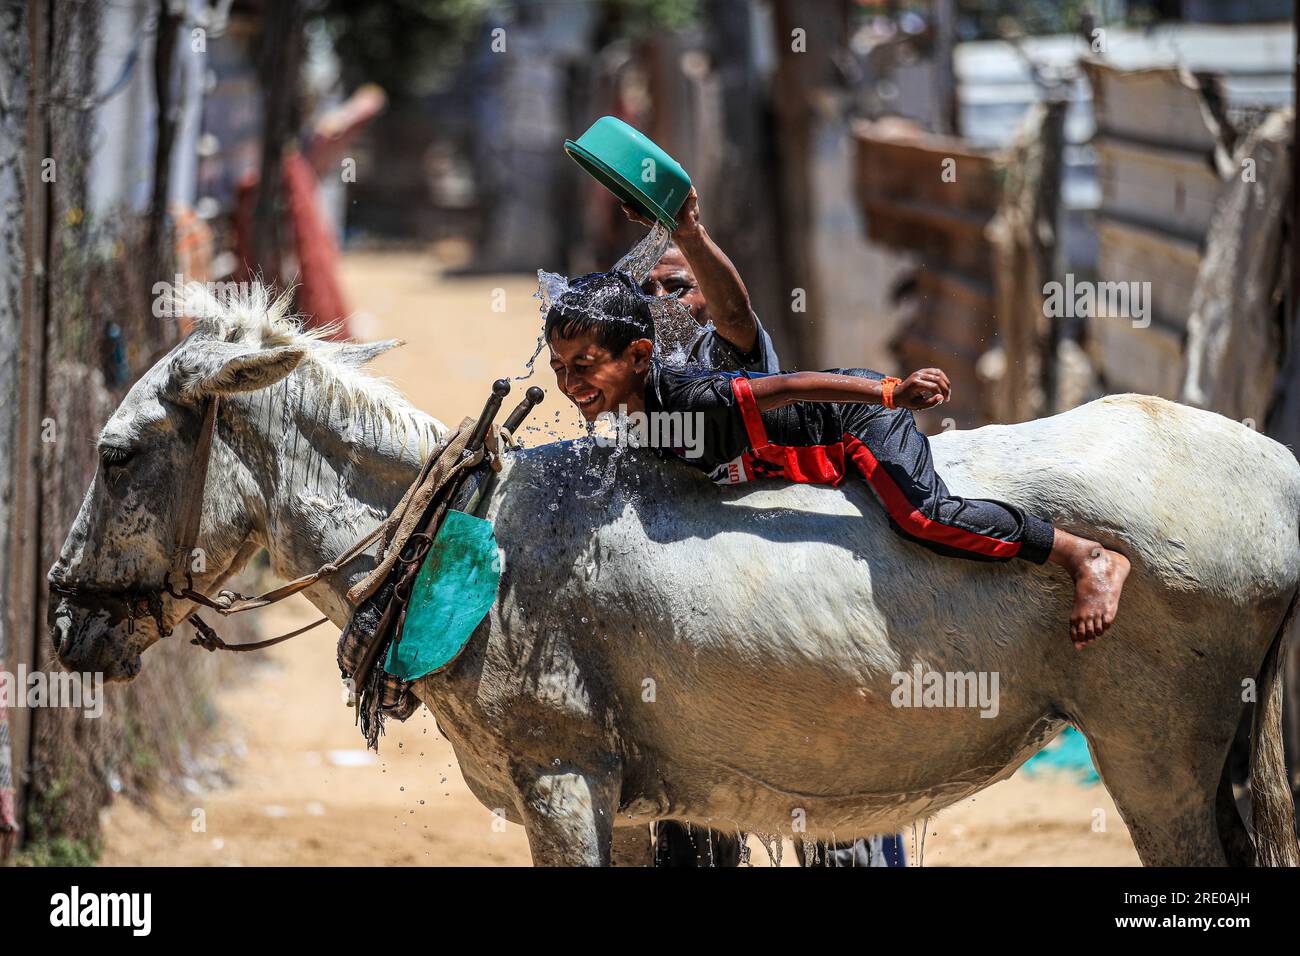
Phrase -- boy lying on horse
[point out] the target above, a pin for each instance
(815, 427)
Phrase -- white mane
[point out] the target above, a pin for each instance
(248, 313)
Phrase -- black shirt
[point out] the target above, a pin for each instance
(710, 350)
(717, 427)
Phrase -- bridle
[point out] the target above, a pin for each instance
(134, 604)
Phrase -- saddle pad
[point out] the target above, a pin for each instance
(452, 593)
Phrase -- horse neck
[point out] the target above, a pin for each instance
(336, 472)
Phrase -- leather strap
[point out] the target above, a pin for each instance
(187, 525)
(229, 602)
(210, 640)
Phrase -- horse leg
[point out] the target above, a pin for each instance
(568, 813)
(1164, 754)
(1166, 787)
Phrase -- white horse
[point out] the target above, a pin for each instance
(665, 648)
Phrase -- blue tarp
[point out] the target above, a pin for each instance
(1067, 754)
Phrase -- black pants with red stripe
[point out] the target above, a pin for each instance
(893, 455)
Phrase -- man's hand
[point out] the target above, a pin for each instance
(688, 217)
(924, 389)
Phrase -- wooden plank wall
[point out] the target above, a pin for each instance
(1023, 374)
(934, 197)
(1162, 157)
(982, 226)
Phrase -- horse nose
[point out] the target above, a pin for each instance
(60, 623)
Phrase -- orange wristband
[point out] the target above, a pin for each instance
(887, 386)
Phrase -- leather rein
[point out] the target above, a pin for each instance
(133, 604)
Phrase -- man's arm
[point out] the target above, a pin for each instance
(924, 389)
(721, 284)
(719, 281)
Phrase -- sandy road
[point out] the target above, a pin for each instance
(293, 785)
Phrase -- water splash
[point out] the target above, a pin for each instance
(550, 286)
(675, 328)
(641, 259)
(772, 844)
(599, 481)
(918, 840)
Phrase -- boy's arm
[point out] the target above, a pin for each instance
(924, 389)
(719, 281)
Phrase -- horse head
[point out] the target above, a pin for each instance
(112, 594)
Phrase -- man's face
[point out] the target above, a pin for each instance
(597, 381)
(673, 274)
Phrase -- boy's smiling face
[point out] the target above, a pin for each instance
(597, 381)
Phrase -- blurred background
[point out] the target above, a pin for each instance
(899, 183)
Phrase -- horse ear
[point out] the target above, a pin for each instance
(359, 354)
(224, 368)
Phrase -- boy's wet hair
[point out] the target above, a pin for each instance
(606, 303)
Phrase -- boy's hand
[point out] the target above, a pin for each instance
(688, 217)
(924, 389)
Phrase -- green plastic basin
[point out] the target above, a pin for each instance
(633, 167)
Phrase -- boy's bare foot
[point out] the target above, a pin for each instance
(1098, 580)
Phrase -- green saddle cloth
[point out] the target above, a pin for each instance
(453, 592)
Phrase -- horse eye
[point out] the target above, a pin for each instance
(113, 455)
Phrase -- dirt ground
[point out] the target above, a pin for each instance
(291, 782)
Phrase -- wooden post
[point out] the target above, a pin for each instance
(25, 577)
(1294, 304)
(944, 24)
(164, 58)
(1048, 241)
(278, 63)
(1291, 701)
(799, 72)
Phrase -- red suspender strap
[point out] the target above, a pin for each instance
(909, 517)
(744, 393)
